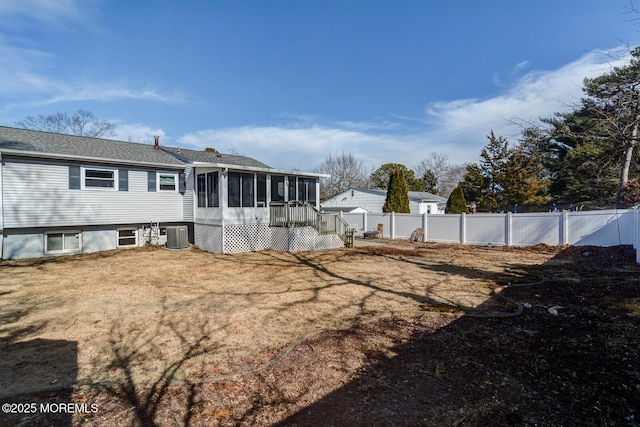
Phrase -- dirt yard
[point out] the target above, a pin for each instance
(401, 333)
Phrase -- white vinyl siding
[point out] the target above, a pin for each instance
(38, 195)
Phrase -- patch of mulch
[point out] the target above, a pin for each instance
(571, 358)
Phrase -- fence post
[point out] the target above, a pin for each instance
(424, 227)
(393, 225)
(463, 228)
(364, 221)
(564, 228)
(507, 236)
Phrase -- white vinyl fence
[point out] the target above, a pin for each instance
(636, 232)
(597, 228)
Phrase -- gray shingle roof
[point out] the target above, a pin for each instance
(212, 157)
(79, 146)
(62, 145)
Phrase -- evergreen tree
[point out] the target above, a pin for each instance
(473, 183)
(380, 177)
(430, 182)
(397, 194)
(521, 181)
(457, 203)
(506, 176)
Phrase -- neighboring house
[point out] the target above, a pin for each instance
(372, 201)
(63, 194)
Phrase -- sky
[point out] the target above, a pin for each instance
(289, 82)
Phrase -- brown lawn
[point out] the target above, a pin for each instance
(153, 307)
(345, 337)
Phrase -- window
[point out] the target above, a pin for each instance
(292, 188)
(167, 181)
(261, 190)
(127, 237)
(202, 190)
(241, 190)
(277, 188)
(213, 201)
(62, 242)
(302, 189)
(99, 178)
(307, 190)
(208, 190)
(247, 190)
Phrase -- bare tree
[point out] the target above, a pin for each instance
(346, 172)
(82, 123)
(448, 176)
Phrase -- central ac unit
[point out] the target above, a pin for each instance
(177, 237)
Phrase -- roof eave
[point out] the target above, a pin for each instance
(37, 154)
(258, 169)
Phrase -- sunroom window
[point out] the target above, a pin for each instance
(240, 190)
(207, 185)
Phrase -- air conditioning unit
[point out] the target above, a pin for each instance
(177, 237)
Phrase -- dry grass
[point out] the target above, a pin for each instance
(137, 316)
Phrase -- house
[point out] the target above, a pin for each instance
(63, 194)
(372, 200)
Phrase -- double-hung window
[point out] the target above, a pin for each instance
(99, 178)
(167, 181)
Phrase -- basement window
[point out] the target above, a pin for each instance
(127, 237)
(62, 242)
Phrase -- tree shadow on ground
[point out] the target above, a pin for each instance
(578, 367)
(26, 364)
(133, 347)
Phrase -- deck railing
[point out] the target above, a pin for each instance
(303, 214)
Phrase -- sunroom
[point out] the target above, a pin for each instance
(245, 208)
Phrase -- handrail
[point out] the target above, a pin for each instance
(301, 214)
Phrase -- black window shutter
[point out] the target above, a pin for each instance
(123, 180)
(182, 183)
(74, 177)
(151, 181)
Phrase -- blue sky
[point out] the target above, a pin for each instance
(289, 82)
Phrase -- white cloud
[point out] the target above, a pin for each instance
(456, 128)
(301, 148)
(24, 77)
(57, 13)
(28, 74)
(462, 124)
(136, 132)
(113, 91)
